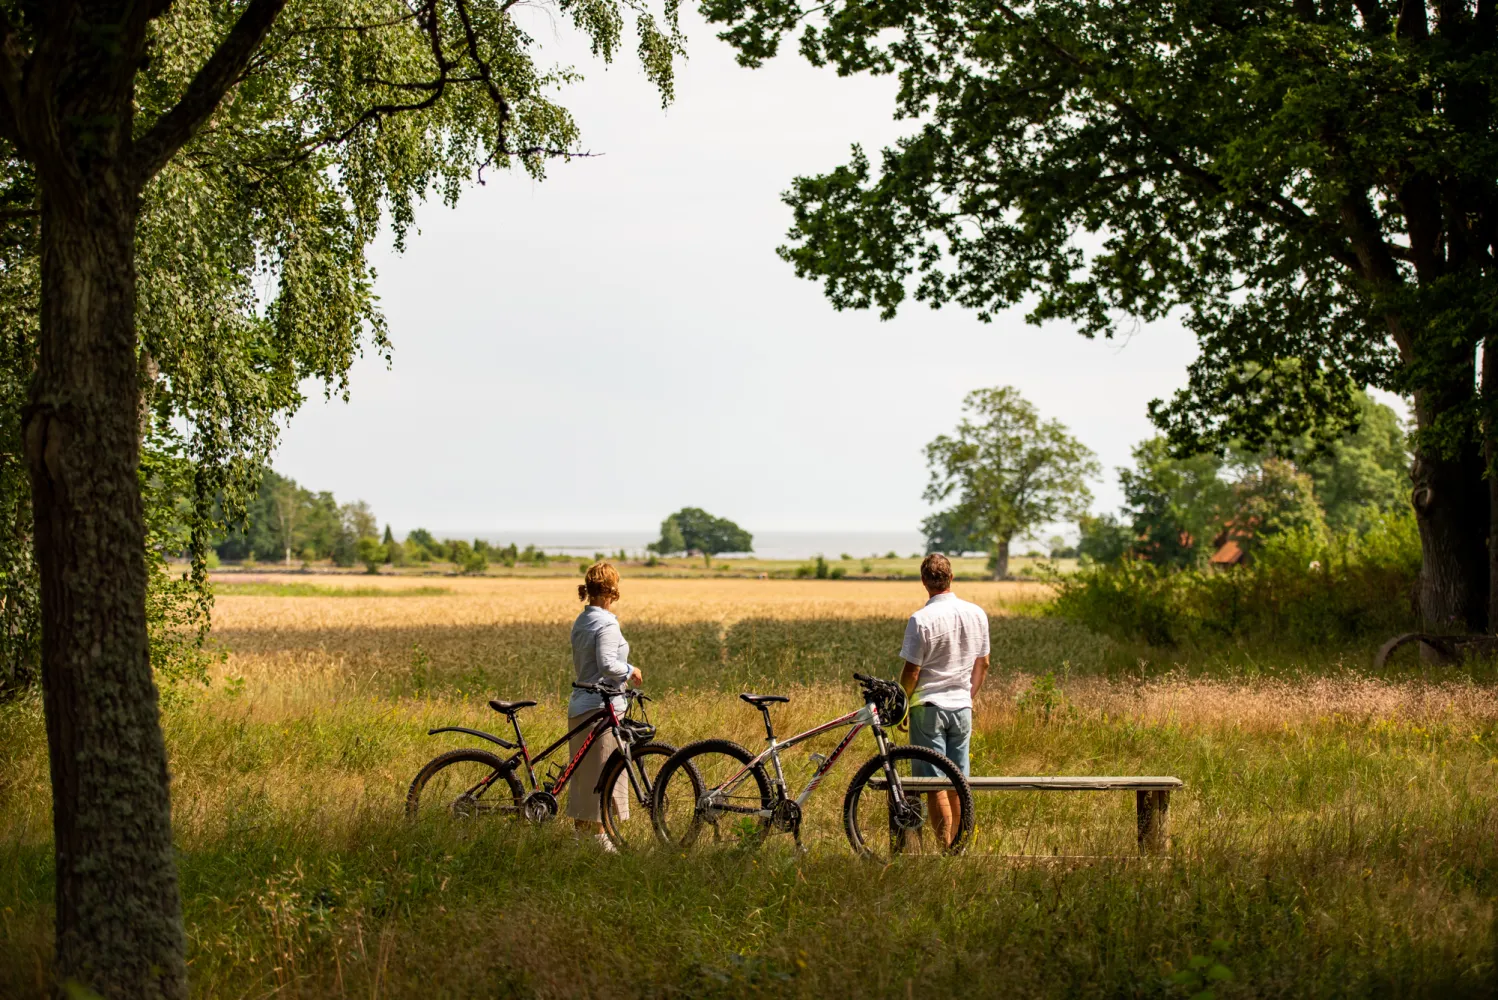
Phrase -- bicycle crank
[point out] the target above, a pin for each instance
(787, 817)
(539, 807)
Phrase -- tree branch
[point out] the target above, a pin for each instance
(1277, 209)
(208, 87)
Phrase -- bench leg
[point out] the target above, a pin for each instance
(1153, 809)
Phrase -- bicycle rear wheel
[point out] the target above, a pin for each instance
(626, 819)
(708, 795)
(464, 784)
(880, 826)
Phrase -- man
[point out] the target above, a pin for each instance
(946, 659)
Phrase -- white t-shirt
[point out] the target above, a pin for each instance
(943, 639)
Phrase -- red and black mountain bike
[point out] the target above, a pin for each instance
(471, 782)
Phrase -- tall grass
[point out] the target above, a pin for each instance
(1337, 836)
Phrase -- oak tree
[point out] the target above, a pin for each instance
(1311, 185)
(693, 529)
(1008, 471)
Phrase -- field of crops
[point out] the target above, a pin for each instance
(1338, 835)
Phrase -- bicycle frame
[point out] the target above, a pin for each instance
(858, 720)
(601, 720)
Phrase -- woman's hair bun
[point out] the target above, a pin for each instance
(602, 583)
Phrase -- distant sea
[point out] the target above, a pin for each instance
(767, 545)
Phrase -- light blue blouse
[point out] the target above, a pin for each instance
(599, 655)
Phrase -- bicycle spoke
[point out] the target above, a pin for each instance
(711, 799)
(627, 818)
(884, 823)
(462, 785)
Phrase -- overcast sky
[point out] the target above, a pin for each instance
(620, 340)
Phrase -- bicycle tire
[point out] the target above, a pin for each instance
(693, 759)
(614, 772)
(437, 764)
(863, 841)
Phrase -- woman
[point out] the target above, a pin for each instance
(599, 656)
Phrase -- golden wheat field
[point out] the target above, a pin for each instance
(505, 600)
(1337, 834)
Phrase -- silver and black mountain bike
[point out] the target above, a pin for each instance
(715, 792)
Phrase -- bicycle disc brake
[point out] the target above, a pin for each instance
(908, 813)
(539, 806)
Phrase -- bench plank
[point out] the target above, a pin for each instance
(1048, 783)
(1151, 796)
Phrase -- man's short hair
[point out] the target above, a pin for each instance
(936, 571)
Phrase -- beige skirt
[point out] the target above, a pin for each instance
(582, 799)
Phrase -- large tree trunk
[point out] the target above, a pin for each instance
(1001, 559)
(1453, 511)
(119, 920)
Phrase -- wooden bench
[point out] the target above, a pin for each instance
(1151, 797)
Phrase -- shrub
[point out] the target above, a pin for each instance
(371, 553)
(836, 573)
(1302, 585)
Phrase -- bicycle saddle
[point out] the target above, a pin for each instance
(761, 700)
(509, 707)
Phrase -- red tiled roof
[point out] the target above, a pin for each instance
(1229, 555)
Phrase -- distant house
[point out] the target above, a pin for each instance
(1229, 553)
(1230, 548)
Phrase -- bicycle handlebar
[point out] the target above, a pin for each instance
(600, 689)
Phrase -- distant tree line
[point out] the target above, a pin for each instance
(287, 523)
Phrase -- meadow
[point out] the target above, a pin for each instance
(1337, 836)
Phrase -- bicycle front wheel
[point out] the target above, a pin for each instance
(881, 825)
(464, 784)
(710, 794)
(626, 792)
